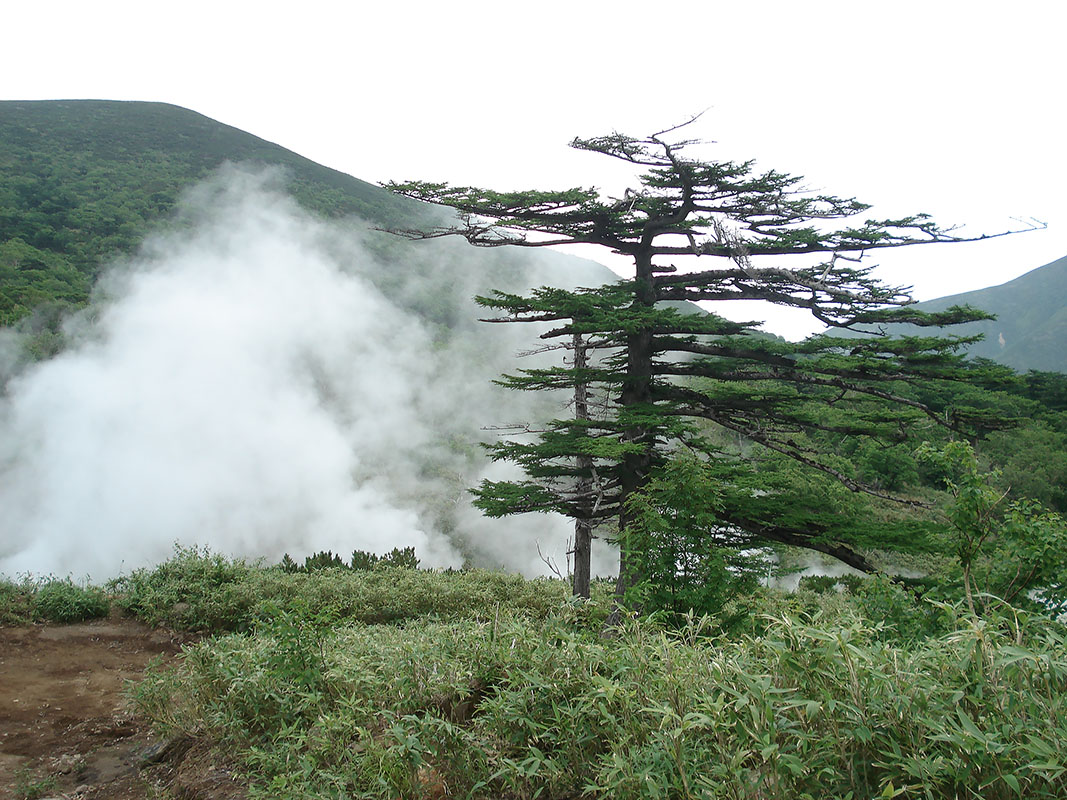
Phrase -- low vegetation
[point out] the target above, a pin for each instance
(50, 599)
(515, 692)
(386, 681)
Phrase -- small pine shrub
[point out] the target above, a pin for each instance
(405, 559)
(361, 560)
(324, 560)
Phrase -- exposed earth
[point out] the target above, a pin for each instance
(66, 728)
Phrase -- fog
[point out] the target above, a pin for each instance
(261, 381)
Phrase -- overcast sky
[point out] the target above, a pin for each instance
(950, 108)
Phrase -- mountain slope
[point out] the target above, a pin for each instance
(1030, 331)
(83, 180)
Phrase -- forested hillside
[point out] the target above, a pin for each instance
(82, 180)
(1030, 325)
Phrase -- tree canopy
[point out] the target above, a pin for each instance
(671, 379)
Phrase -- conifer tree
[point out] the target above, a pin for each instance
(670, 374)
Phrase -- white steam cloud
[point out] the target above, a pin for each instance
(243, 384)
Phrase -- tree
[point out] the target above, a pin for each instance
(690, 562)
(670, 374)
(1015, 548)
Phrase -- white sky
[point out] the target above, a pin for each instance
(951, 108)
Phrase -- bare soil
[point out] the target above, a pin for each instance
(66, 728)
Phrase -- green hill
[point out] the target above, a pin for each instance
(83, 180)
(1030, 331)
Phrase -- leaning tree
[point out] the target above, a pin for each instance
(670, 374)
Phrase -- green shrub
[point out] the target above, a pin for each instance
(323, 560)
(200, 590)
(815, 705)
(62, 601)
(31, 786)
(361, 560)
(676, 542)
(16, 601)
(396, 557)
(182, 590)
(900, 611)
(50, 600)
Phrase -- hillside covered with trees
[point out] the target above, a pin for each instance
(84, 180)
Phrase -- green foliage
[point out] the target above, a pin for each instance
(1007, 549)
(16, 601)
(31, 786)
(1032, 555)
(203, 591)
(30, 600)
(905, 611)
(361, 559)
(323, 560)
(1047, 388)
(401, 558)
(84, 181)
(770, 491)
(886, 467)
(183, 591)
(1032, 462)
(817, 703)
(689, 562)
(64, 601)
(30, 278)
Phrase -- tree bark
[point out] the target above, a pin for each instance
(583, 544)
(636, 390)
(583, 526)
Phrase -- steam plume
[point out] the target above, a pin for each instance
(243, 383)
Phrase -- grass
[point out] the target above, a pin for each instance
(516, 705)
(393, 682)
(201, 591)
(31, 786)
(29, 600)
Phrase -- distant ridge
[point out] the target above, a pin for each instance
(84, 181)
(161, 133)
(1030, 331)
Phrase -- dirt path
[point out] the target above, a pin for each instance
(65, 729)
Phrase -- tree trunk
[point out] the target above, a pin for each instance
(583, 544)
(636, 390)
(583, 528)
